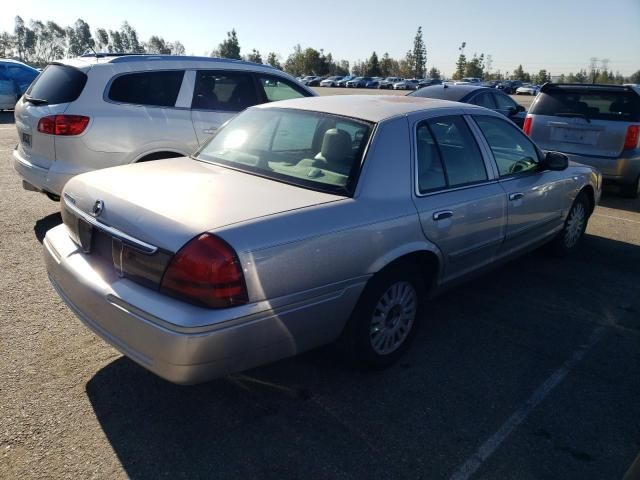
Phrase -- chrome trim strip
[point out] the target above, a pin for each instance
(144, 247)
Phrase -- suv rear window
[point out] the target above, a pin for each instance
(158, 89)
(591, 103)
(58, 84)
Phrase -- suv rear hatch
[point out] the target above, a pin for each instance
(590, 120)
(50, 94)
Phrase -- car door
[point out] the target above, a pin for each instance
(535, 197)
(218, 96)
(461, 206)
(510, 109)
(8, 95)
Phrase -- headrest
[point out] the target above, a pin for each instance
(336, 147)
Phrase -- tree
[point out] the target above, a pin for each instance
(475, 67)
(461, 64)
(177, 48)
(102, 40)
(342, 68)
(6, 45)
(130, 40)
(50, 42)
(273, 59)
(373, 66)
(230, 48)
(254, 56)
(541, 77)
(635, 77)
(115, 42)
(158, 45)
(518, 74)
(79, 38)
(434, 74)
(388, 66)
(418, 58)
(20, 35)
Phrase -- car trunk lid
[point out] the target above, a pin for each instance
(167, 202)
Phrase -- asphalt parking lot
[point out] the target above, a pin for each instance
(528, 372)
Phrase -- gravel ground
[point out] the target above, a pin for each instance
(530, 371)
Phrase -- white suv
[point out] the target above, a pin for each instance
(100, 111)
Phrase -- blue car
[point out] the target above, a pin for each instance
(15, 78)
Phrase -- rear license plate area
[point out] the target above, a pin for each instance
(26, 139)
(574, 135)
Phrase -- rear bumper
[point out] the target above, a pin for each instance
(622, 170)
(43, 179)
(170, 338)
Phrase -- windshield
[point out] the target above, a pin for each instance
(308, 149)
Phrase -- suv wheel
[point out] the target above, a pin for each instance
(384, 321)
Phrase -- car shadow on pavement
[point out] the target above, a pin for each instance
(618, 202)
(486, 347)
(45, 224)
(6, 117)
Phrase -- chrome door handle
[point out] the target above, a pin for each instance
(209, 130)
(516, 196)
(442, 215)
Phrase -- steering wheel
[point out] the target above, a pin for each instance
(520, 166)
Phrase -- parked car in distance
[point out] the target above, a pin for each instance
(597, 125)
(374, 82)
(476, 95)
(15, 78)
(314, 82)
(101, 111)
(331, 81)
(491, 83)
(528, 90)
(191, 275)
(343, 82)
(509, 86)
(388, 82)
(410, 84)
(359, 82)
(427, 82)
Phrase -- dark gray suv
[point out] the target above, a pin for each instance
(597, 125)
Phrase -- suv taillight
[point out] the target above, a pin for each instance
(63, 124)
(526, 128)
(633, 134)
(206, 271)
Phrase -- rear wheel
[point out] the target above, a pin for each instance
(574, 226)
(384, 321)
(633, 190)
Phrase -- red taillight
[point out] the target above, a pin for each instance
(63, 124)
(526, 128)
(633, 134)
(206, 271)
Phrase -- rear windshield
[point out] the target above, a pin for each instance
(588, 103)
(58, 84)
(308, 149)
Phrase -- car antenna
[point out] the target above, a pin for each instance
(95, 53)
(444, 85)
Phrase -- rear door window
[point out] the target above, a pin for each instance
(504, 102)
(591, 103)
(456, 159)
(224, 91)
(483, 100)
(158, 89)
(58, 84)
(275, 88)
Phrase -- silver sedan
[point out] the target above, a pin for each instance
(305, 222)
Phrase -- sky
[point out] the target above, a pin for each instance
(560, 35)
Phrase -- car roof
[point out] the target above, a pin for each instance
(372, 108)
(11, 60)
(453, 93)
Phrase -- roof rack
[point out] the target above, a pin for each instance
(143, 57)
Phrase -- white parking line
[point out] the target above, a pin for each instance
(476, 460)
(616, 218)
(10, 127)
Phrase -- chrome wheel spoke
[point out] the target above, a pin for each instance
(393, 317)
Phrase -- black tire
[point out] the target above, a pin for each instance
(358, 339)
(568, 240)
(631, 191)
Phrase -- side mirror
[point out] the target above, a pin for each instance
(555, 161)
